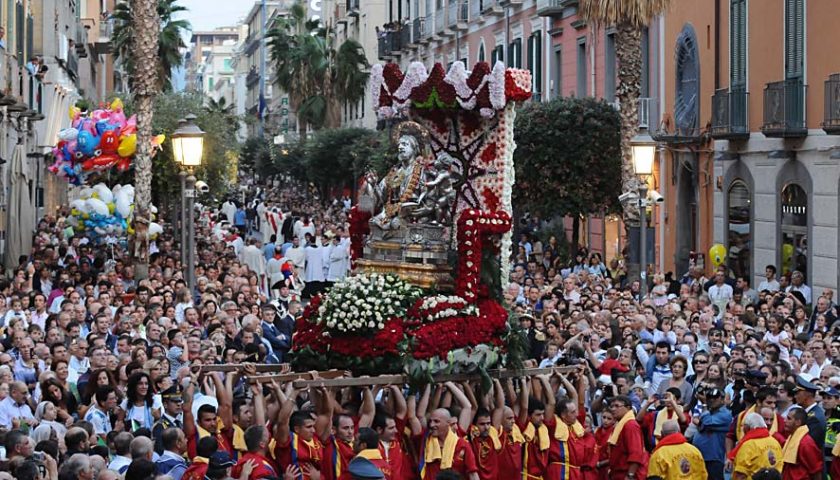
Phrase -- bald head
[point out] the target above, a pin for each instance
(439, 423)
(669, 427)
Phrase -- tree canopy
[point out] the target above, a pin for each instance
(568, 157)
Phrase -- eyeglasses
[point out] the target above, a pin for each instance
(701, 362)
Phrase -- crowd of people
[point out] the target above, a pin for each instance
(105, 377)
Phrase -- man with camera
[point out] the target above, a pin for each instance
(712, 425)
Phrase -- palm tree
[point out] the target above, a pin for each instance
(145, 27)
(170, 39)
(629, 18)
(220, 107)
(317, 77)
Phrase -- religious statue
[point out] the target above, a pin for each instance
(393, 198)
(435, 204)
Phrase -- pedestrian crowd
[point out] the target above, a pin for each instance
(103, 376)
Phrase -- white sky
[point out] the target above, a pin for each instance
(209, 14)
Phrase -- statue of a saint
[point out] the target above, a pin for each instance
(394, 196)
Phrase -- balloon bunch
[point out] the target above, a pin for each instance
(96, 142)
(102, 212)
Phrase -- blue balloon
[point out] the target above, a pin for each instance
(103, 126)
(87, 143)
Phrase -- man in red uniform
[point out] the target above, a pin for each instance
(338, 449)
(367, 447)
(256, 440)
(628, 458)
(441, 449)
(198, 468)
(510, 460)
(297, 444)
(486, 445)
(210, 422)
(803, 459)
(535, 432)
(392, 439)
(566, 455)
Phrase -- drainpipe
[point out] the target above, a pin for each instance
(593, 45)
(663, 185)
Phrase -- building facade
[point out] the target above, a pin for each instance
(208, 62)
(775, 118)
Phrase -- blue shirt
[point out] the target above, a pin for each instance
(268, 250)
(710, 438)
(239, 217)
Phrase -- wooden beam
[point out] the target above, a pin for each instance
(289, 377)
(235, 367)
(402, 379)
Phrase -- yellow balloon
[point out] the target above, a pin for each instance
(85, 216)
(81, 227)
(75, 212)
(94, 195)
(111, 207)
(117, 104)
(717, 255)
(73, 111)
(158, 140)
(128, 145)
(787, 255)
(130, 229)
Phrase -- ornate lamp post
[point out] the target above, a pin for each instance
(644, 151)
(188, 150)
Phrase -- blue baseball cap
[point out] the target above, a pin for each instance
(363, 468)
(221, 460)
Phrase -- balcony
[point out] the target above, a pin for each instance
(492, 7)
(648, 111)
(419, 27)
(730, 108)
(428, 29)
(462, 22)
(784, 109)
(512, 3)
(389, 45)
(405, 36)
(440, 23)
(551, 8)
(253, 77)
(475, 9)
(353, 8)
(831, 125)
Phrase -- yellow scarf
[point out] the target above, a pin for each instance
(835, 452)
(739, 429)
(620, 426)
(239, 439)
(561, 432)
(370, 454)
(662, 416)
(492, 433)
(542, 432)
(516, 434)
(792, 444)
(434, 452)
(201, 460)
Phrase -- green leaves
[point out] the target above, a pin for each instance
(568, 157)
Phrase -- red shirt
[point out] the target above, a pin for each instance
(336, 451)
(196, 471)
(564, 458)
(630, 448)
(510, 460)
(463, 461)
(306, 454)
(536, 460)
(265, 467)
(486, 457)
(394, 456)
(224, 437)
(590, 459)
(809, 460)
(602, 450)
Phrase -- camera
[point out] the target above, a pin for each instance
(202, 186)
(609, 391)
(739, 384)
(628, 197)
(656, 197)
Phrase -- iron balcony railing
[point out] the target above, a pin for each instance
(784, 109)
(831, 124)
(730, 113)
(389, 44)
(549, 8)
(429, 26)
(405, 35)
(419, 28)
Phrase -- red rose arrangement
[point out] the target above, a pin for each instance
(359, 227)
(474, 226)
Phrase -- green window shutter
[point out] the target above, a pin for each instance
(535, 62)
(738, 43)
(794, 38)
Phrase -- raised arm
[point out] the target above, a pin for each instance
(225, 400)
(524, 395)
(400, 405)
(465, 418)
(186, 407)
(324, 411)
(368, 409)
(548, 396)
(259, 404)
(287, 407)
(498, 404)
(417, 410)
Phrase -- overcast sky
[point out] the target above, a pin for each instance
(209, 14)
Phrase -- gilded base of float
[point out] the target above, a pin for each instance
(437, 277)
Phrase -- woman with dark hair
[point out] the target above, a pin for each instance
(65, 403)
(138, 407)
(98, 378)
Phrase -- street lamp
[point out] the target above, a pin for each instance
(644, 151)
(188, 150)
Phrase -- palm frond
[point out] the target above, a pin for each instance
(636, 13)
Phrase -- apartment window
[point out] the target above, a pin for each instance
(515, 54)
(557, 73)
(737, 43)
(535, 63)
(645, 86)
(481, 56)
(20, 34)
(466, 62)
(609, 67)
(794, 38)
(581, 67)
(498, 55)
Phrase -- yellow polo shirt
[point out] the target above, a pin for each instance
(677, 462)
(758, 453)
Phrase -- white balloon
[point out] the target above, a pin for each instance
(103, 192)
(123, 205)
(155, 229)
(85, 193)
(97, 206)
(68, 134)
(79, 205)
